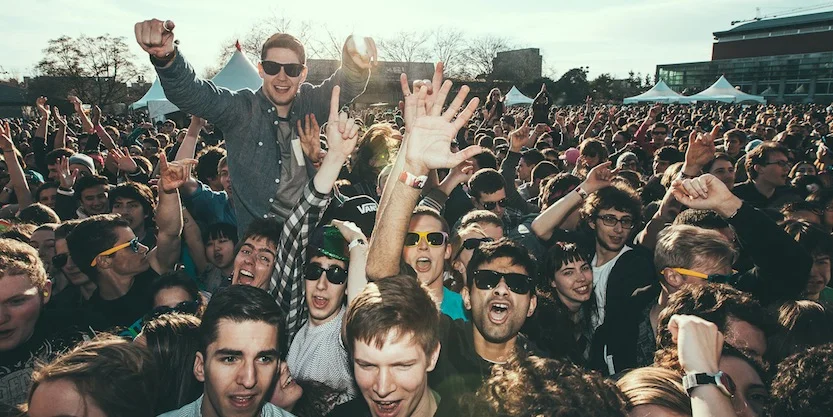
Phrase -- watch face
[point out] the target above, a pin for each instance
(727, 382)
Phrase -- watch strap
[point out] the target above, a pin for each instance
(694, 380)
(356, 242)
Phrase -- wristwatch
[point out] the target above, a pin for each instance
(721, 379)
(356, 242)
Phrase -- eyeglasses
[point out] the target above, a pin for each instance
(490, 205)
(273, 68)
(133, 243)
(433, 238)
(611, 220)
(475, 242)
(782, 164)
(335, 274)
(185, 307)
(730, 279)
(59, 260)
(485, 279)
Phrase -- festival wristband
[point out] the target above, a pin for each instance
(412, 180)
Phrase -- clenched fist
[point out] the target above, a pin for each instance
(156, 37)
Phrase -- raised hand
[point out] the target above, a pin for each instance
(76, 102)
(433, 88)
(611, 111)
(155, 37)
(6, 143)
(174, 174)
(519, 136)
(61, 120)
(364, 56)
(599, 177)
(95, 113)
(349, 230)
(342, 131)
(700, 148)
(429, 143)
(705, 192)
(42, 107)
(65, 177)
(699, 343)
(124, 160)
(309, 134)
(654, 112)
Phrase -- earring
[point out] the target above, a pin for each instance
(46, 293)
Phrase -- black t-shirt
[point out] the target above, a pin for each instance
(747, 192)
(123, 315)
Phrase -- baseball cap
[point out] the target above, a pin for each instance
(360, 209)
(33, 177)
(570, 155)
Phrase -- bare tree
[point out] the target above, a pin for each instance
(405, 47)
(447, 46)
(481, 50)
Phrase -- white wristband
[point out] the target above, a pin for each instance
(356, 242)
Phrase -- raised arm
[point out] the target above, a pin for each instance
(639, 137)
(165, 255)
(79, 109)
(17, 180)
(188, 147)
(61, 134)
(43, 111)
(102, 134)
(517, 139)
(192, 234)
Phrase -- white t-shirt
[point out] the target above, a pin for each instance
(600, 275)
(317, 353)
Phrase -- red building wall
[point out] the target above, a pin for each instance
(779, 45)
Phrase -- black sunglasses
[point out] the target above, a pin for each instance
(475, 242)
(273, 68)
(485, 279)
(335, 274)
(185, 307)
(59, 260)
(490, 205)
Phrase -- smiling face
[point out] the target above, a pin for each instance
(132, 211)
(20, 306)
(393, 379)
(94, 200)
(611, 238)
(238, 368)
(428, 261)
(324, 299)
(254, 263)
(281, 88)
(573, 283)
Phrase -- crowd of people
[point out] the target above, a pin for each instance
(443, 258)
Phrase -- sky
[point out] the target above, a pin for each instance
(608, 36)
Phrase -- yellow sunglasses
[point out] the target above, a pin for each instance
(133, 243)
(715, 278)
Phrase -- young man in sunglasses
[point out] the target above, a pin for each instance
(260, 127)
(487, 189)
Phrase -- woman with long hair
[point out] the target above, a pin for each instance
(493, 109)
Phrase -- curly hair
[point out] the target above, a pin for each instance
(616, 197)
(803, 385)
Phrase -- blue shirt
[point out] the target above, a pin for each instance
(211, 206)
(452, 305)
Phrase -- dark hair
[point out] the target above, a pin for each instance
(177, 279)
(592, 147)
(38, 214)
(430, 212)
(318, 398)
(486, 159)
(760, 155)
(239, 303)
(736, 133)
(544, 169)
(220, 230)
(502, 248)
(485, 181)
(615, 197)
(54, 155)
(801, 325)
(718, 156)
(208, 163)
(284, 40)
(532, 156)
(557, 187)
(91, 237)
(398, 305)
(89, 181)
(269, 228)
(706, 219)
(377, 142)
(43, 187)
(812, 238)
(141, 193)
(480, 216)
(173, 340)
(803, 385)
(796, 206)
(669, 153)
(65, 228)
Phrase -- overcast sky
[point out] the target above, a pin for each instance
(612, 36)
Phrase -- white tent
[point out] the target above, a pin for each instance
(514, 97)
(722, 90)
(659, 93)
(238, 73)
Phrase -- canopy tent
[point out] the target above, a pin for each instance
(514, 98)
(238, 73)
(722, 90)
(659, 93)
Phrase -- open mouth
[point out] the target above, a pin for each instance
(245, 277)
(423, 265)
(319, 302)
(582, 290)
(282, 90)
(499, 312)
(387, 408)
(242, 401)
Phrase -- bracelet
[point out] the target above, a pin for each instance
(412, 180)
(583, 194)
(683, 176)
(359, 241)
(732, 216)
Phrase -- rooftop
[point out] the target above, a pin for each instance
(781, 22)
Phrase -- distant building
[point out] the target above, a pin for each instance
(12, 100)
(383, 86)
(520, 65)
(787, 59)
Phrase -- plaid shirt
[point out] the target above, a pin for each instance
(287, 284)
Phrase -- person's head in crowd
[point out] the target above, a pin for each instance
(239, 352)
(33, 178)
(819, 244)
(507, 122)
(540, 173)
(24, 289)
(175, 292)
(670, 174)
(92, 194)
(529, 386)
(688, 255)
(106, 377)
(722, 168)
(630, 179)
(64, 262)
(628, 160)
(21, 232)
(654, 391)
(150, 147)
(173, 340)
(803, 383)
(38, 214)
(738, 316)
(552, 156)
(393, 321)
(498, 130)
(485, 159)
(528, 161)
(488, 191)
(557, 187)
(463, 243)
(802, 210)
(375, 150)
(164, 139)
(43, 240)
(106, 250)
(219, 240)
(500, 292)
(325, 274)
(664, 157)
(570, 158)
(257, 253)
(705, 219)
(53, 160)
(486, 141)
(802, 168)
(806, 185)
(612, 212)
(824, 198)
(225, 178)
(659, 133)
(488, 221)
(802, 324)
(83, 163)
(168, 126)
(135, 203)
(427, 249)
(208, 162)
(733, 141)
(567, 275)
(289, 392)
(592, 152)
(282, 84)
(45, 194)
(620, 139)
(768, 164)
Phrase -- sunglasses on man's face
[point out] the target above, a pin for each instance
(274, 68)
(485, 279)
(185, 307)
(433, 238)
(335, 274)
(490, 205)
(475, 242)
(60, 260)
